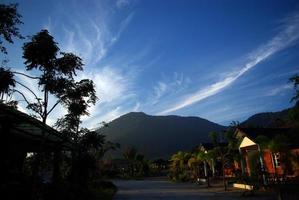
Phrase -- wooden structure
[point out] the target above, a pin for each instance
(21, 134)
(269, 162)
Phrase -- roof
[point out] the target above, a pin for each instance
(28, 132)
(246, 142)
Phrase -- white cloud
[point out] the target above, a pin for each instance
(92, 35)
(159, 90)
(169, 86)
(113, 87)
(279, 90)
(136, 107)
(288, 36)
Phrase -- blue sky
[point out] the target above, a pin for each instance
(220, 60)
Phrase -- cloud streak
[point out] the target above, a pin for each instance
(285, 38)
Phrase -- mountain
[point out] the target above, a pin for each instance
(266, 119)
(159, 136)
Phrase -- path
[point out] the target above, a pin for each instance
(150, 189)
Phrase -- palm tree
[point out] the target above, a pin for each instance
(7, 83)
(130, 154)
(226, 153)
(179, 163)
(193, 164)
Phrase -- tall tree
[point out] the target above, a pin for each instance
(76, 99)
(56, 73)
(9, 21)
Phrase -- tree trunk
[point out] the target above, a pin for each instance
(223, 175)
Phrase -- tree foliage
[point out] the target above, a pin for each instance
(295, 81)
(56, 73)
(7, 82)
(9, 20)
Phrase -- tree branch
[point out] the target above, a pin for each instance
(20, 73)
(38, 99)
(14, 90)
(53, 107)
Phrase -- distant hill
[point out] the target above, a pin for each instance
(159, 136)
(266, 119)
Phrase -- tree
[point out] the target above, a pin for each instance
(76, 100)
(226, 153)
(278, 145)
(207, 157)
(56, 72)
(9, 19)
(295, 81)
(293, 114)
(7, 83)
(193, 164)
(179, 164)
(93, 146)
(130, 154)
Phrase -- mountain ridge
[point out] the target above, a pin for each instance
(167, 134)
(161, 136)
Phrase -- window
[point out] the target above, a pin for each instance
(276, 159)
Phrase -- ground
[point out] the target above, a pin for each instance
(161, 188)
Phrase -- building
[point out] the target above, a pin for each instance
(22, 135)
(256, 155)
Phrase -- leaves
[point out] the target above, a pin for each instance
(7, 81)
(130, 153)
(9, 19)
(68, 64)
(57, 78)
(295, 81)
(40, 52)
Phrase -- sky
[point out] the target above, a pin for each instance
(219, 60)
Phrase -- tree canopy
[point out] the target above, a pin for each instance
(9, 20)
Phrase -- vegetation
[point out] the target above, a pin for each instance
(138, 166)
(76, 175)
(9, 19)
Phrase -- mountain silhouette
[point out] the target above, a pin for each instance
(159, 136)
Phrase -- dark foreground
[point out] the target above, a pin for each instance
(160, 188)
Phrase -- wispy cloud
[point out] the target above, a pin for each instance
(90, 35)
(122, 3)
(159, 90)
(285, 38)
(279, 90)
(169, 86)
(114, 88)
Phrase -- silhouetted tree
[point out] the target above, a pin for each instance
(226, 153)
(178, 165)
(293, 114)
(77, 97)
(9, 19)
(7, 83)
(56, 72)
(129, 154)
(295, 81)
